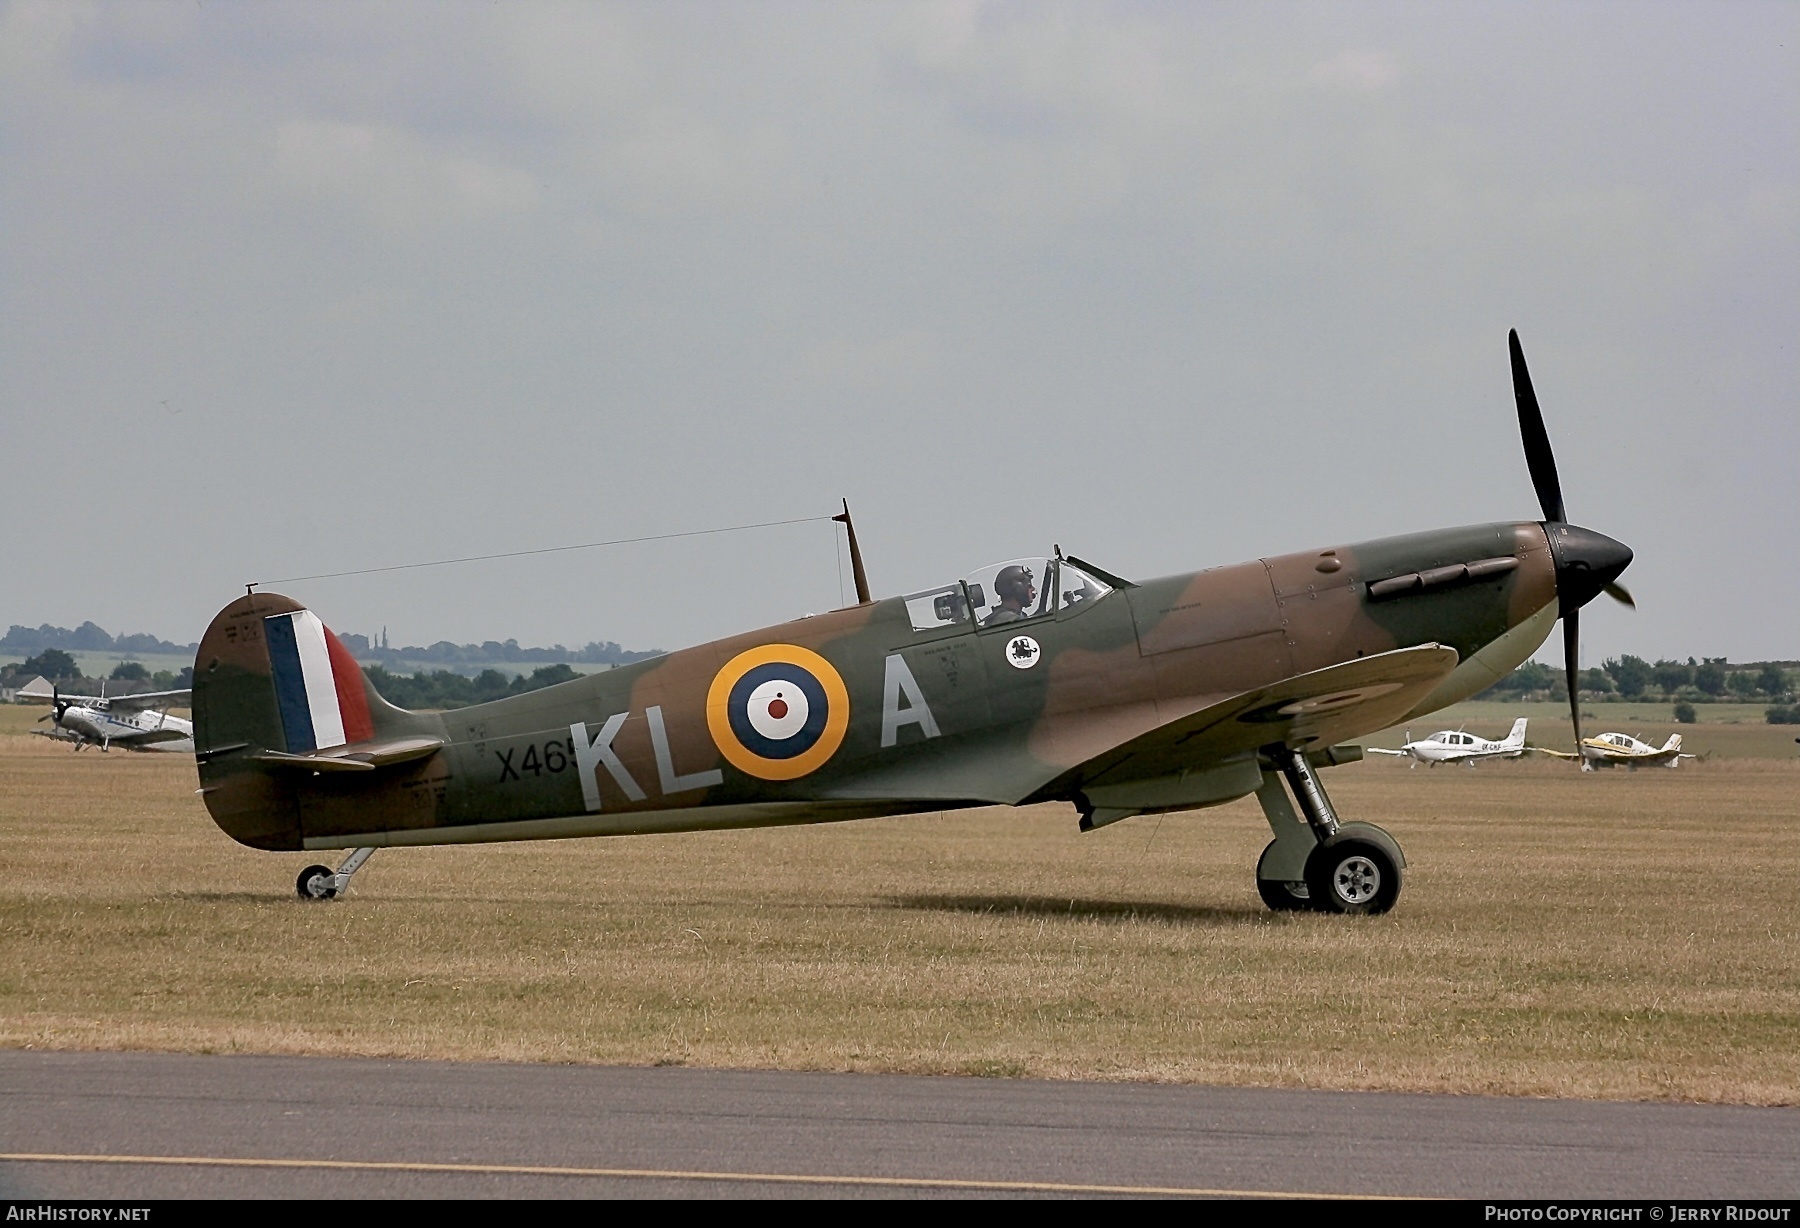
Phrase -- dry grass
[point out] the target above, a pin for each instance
(1622, 935)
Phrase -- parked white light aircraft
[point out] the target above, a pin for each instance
(136, 722)
(1616, 749)
(1455, 746)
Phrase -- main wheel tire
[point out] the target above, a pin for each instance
(1278, 895)
(1352, 876)
(1284, 897)
(308, 876)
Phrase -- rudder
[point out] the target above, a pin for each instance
(271, 677)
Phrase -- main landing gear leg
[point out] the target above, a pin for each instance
(1315, 861)
(1281, 870)
(320, 883)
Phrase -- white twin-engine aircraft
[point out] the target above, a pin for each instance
(136, 722)
(1623, 750)
(1455, 746)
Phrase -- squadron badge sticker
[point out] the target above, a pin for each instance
(777, 712)
(1022, 652)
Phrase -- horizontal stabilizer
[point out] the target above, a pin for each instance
(358, 757)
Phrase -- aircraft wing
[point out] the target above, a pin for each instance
(1557, 754)
(150, 699)
(1380, 750)
(1309, 710)
(117, 703)
(1346, 700)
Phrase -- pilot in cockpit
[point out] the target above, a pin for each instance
(1016, 592)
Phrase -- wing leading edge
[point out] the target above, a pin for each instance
(1308, 711)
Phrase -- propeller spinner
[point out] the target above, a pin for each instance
(1587, 563)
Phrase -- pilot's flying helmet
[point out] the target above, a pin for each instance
(1014, 581)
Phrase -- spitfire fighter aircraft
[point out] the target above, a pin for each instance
(1035, 680)
(1623, 750)
(136, 722)
(1455, 746)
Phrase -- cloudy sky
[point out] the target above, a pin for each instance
(299, 288)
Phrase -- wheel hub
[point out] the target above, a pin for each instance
(1357, 879)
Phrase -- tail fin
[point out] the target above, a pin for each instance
(273, 684)
(1517, 736)
(320, 691)
(1674, 742)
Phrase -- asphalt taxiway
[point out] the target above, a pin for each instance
(143, 1125)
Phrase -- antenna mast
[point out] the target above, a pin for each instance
(856, 563)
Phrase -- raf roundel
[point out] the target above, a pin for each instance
(777, 712)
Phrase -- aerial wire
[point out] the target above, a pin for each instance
(513, 554)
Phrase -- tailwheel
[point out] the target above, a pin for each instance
(1348, 875)
(1279, 895)
(315, 883)
(324, 883)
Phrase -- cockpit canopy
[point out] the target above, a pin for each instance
(1017, 590)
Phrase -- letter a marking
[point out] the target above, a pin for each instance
(900, 682)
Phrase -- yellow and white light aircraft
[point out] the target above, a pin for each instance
(1623, 750)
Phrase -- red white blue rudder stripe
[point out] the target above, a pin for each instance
(318, 685)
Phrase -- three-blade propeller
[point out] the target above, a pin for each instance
(1587, 563)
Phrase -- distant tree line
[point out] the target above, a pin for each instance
(1707, 680)
(86, 638)
(462, 658)
(440, 689)
(60, 668)
(369, 651)
(161, 680)
(446, 689)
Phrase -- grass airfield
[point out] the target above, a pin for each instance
(1617, 934)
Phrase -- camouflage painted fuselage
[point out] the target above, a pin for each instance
(927, 720)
